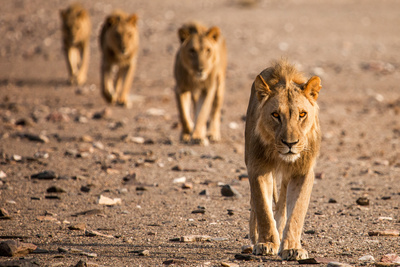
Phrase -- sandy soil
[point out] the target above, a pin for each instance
(354, 46)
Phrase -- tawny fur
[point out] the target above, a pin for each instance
(76, 29)
(119, 44)
(282, 140)
(200, 68)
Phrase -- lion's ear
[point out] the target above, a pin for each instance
(312, 87)
(133, 19)
(262, 88)
(63, 13)
(214, 33)
(183, 34)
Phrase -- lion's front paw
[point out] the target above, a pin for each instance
(214, 137)
(200, 141)
(266, 249)
(293, 254)
(185, 138)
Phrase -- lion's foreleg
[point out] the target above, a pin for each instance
(183, 100)
(84, 62)
(73, 62)
(203, 109)
(123, 95)
(280, 208)
(107, 83)
(214, 131)
(298, 197)
(261, 188)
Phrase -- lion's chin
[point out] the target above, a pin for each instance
(289, 157)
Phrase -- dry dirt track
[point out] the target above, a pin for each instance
(354, 46)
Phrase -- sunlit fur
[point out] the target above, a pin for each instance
(282, 140)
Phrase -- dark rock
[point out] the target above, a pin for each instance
(55, 189)
(52, 197)
(45, 175)
(229, 191)
(316, 261)
(331, 200)
(363, 201)
(199, 211)
(12, 248)
(204, 193)
(175, 262)
(245, 257)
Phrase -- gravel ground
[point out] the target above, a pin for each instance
(92, 149)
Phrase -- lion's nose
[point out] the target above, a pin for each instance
(289, 144)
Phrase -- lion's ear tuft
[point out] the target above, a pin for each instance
(312, 87)
(262, 88)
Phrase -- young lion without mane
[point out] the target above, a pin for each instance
(76, 29)
(282, 140)
(200, 68)
(119, 44)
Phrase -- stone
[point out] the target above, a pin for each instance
(316, 260)
(55, 189)
(229, 264)
(37, 138)
(384, 233)
(246, 257)
(12, 248)
(187, 186)
(78, 226)
(179, 180)
(83, 263)
(103, 200)
(368, 258)
(338, 264)
(88, 213)
(46, 218)
(175, 262)
(45, 175)
(96, 233)
(229, 191)
(363, 201)
(199, 211)
(144, 253)
(194, 238)
(4, 215)
(332, 201)
(390, 258)
(204, 193)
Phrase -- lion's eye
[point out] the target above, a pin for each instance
(192, 51)
(302, 114)
(275, 115)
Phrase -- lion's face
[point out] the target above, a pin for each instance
(75, 24)
(199, 52)
(123, 34)
(288, 115)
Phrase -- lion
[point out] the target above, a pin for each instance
(119, 44)
(200, 70)
(76, 30)
(282, 141)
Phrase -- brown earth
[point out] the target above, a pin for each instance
(354, 46)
